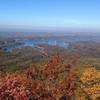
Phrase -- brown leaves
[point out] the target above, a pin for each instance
(73, 58)
(14, 86)
(66, 87)
(32, 72)
(51, 68)
(30, 84)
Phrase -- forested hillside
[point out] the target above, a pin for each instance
(55, 79)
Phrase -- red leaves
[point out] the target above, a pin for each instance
(30, 84)
(52, 66)
(32, 72)
(14, 85)
(66, 87)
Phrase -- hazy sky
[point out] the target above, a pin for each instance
(60, 14)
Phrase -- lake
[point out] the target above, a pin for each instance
(49, 41)
(61, 42)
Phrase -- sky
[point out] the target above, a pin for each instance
(50, 14)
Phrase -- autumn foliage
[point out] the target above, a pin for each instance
(89, 84)
(55, 80)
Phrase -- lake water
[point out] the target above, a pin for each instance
(50, 41)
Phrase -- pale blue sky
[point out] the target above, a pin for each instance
(58, 14)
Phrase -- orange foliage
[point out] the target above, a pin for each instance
(14, 86)
(39, 84)
(90, 84)
(51, 68)
(32, 72)
(66, 87)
